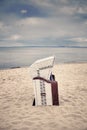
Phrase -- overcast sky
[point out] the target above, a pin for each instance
(43, 22)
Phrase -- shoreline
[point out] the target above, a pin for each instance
(16, 67)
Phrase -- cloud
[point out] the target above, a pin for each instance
(34, 30)
(14, 37)
(23, 11)
(1, 25)
(79, 39)
(28, 22)
(50, 27)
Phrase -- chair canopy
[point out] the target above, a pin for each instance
(42, 67)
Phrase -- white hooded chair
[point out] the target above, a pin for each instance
(45, 86)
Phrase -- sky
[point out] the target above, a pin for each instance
(43, 23)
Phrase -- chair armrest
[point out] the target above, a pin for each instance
(41, 78)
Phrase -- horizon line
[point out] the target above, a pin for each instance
(45, 46)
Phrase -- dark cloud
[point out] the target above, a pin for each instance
(43, 21)
(14, 7)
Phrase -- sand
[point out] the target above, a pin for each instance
(16, 97)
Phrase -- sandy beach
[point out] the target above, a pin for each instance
(16, 97)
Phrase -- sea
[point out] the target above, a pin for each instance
(13, 57)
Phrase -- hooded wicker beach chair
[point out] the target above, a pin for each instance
(45, 86)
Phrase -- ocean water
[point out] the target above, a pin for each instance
(24, 56)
